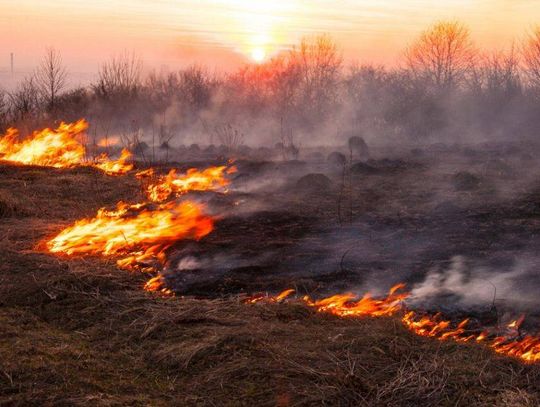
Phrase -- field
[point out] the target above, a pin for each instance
(78, 331)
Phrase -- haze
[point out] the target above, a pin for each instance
(226, 33)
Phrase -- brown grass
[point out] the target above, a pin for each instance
(81, 332)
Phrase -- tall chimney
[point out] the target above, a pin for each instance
(12, 72)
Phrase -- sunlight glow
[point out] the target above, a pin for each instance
(231, 32)
(258, 55)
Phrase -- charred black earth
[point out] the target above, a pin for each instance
(321, 227)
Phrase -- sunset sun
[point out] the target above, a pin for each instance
(258, 55)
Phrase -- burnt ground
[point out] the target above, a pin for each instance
(80, 331)
(372, 226)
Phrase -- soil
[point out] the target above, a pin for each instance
(78, 331)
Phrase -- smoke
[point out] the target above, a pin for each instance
(467, 285)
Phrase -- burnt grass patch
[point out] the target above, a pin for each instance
(78, 331)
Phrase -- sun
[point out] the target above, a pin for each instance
(258, 55)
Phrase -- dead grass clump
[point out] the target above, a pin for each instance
(11, 205)
(51, 193)
(517, 398)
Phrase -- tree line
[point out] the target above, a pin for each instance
(445, 88)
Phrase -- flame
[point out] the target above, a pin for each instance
(118, 167)
(343, 305)
(526, 349)
(59, 148)
(433, 326)
(51, 148)
(277, 299)
(140, 233)
(109, 141)
(160, 188)
(157, 284)
(516, 324)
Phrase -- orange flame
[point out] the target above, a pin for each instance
(139, 232)
(58, 148)
(162, 187)
(51, 148)
(344, 305)
(157, 284)
(118, 167)
(109, 141)
(526, 349)
(264, 298)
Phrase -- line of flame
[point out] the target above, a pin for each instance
(526, 349)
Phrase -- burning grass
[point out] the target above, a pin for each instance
(78, 332)
(137, 233)
(59, 148)
(49, 148)
(161, 188)
(513, 343)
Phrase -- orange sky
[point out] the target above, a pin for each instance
(225, 33)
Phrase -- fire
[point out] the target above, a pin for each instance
(160, 188)
(277, 299)
(109, 141)
(344, 305)
(433, 326)
(51, 148)
(118, 167)
(526, 349)
(138, 233)
(157, 284)
(59, 148)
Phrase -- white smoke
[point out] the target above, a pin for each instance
(481, 285)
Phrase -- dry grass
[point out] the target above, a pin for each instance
(80, 332)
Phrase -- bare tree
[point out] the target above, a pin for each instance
(443, 54)
(229, 136)
(286, 143)
(50, 77)
(196, 86)
(119, 77)
(3, 111)
(317, 63)
(23, 101)
(531, 56)
(497, 74)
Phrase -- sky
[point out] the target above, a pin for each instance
(224, 34)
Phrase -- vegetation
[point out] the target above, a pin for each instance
(446, 89)
(79, 331)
